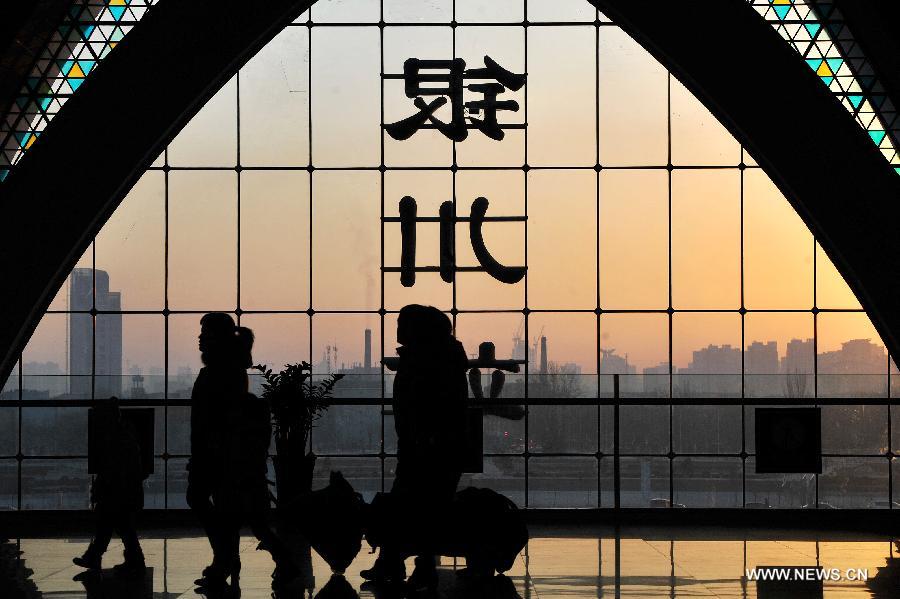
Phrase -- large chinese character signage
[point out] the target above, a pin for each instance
(444, 81)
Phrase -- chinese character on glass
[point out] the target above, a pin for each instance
(478, 215)
(443, 79)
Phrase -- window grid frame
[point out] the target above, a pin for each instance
(527, 311)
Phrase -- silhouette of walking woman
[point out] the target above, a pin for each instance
(230, 434)
(429, 401)
(117, 493)
(220, 382)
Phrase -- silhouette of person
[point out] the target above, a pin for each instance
(429, 401)
(242, 496)
(117, 491)
(220, 383)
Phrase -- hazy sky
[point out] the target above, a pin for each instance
(565, 207)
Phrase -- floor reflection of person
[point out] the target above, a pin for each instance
(429, 402)
(117, 491)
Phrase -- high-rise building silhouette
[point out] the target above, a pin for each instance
(102, 354)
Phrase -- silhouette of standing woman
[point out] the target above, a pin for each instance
(429, 401)
(221, 383)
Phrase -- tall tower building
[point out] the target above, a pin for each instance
(101, 354)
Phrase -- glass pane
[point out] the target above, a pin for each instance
(429, 189)
(562, 130)
(55, 485)
(563, 429)
(632, 95)
(643, 429)
(178, 430)
(852, 360)
(176, 486)
(644, 482)
(274, 240)
(501, 435)
(346, 268)
(634, 239)
(566, 355)
(279, 339)
(9, 431)
(345, 106)
(131, 245)
(155, 487)
(786, 491)
(854, 429)
(47, 370)
(412, 11)
(54, 431)
(706, 239)
(10, 389)
(496, 11)
(706, 429)
(345, 11)
(560, 10)
(202, 240)
(275, 102)
(778, 356)
(427, 147)
(210, 138)
(339, 345)
(856, 483)
(505, 241)
(707, 352)
(184, 354)
(9, 484)
(562, 240)
(130, 355)
(831, 289)
(778, 248)
(636, 347)
(348, 430)
(708, 482)
(698, 138)
(505, 331)
(562, 483)
(506, 46)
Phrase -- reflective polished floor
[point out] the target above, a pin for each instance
(558, 563)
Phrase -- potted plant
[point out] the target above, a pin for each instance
(295, 402)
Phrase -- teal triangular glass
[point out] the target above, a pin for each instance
(834, 64)
(876, 136)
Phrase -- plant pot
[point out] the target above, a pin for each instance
(293, 477)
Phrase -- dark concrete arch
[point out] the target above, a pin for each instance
(66, 187)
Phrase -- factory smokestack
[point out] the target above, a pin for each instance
(543, 355)
(367, 360)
